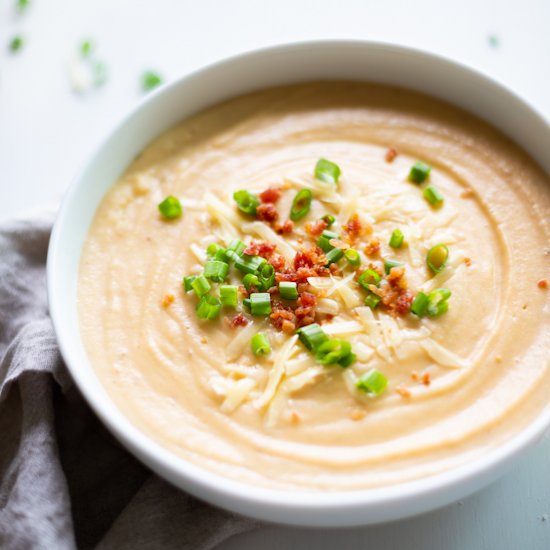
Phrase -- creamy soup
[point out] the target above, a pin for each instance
(411, 335)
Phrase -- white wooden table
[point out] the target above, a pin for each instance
(47, 132)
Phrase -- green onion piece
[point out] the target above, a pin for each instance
(324, 240)
(260, 303)
(334, 255)
(348, 360)
(288, 290)
(433, 195)
(16, 43)
(419, 305)
(247, 202)
(437, 302)
(329, 219)
(246, 303)
(249, 264)
(213, 250)
(312, 336)
(372, 300)
(419, 172)
(260, 344)
(170, 208)
(200, 285)
(397, 238)
(188, 282)
(266, 274)
(372, 382)
(208, 307)
(301, 204)
(369, 277)
(86, 48)
(228, 295)
(22, 5)
(327, 171)
(100, 73)
(389, 264)
(352, 256)
(332, 351)
(251, 280)
(216, 271)
(150, 80)
(236, 246)
(437, 257)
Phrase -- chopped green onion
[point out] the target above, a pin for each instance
(86, 48)
(324, 240)
(216, 271)
(236, 246)
(251, 280)
(332, 351)
(216, 252)
(260, 303)
(334, 255)
(352, 256)
(419, 172)
(200, 285)
(260, 344)
(397, 238)
(301, 204)
(389, 264)
(249, 264)
(327, 171)
(100, 73)
(247, 202)
(372, 300)
(288, 290)
(347, 360)
(372, 382)
(208, 307)
(433, 195)
(170, 208)
(22, 5)
(419, 305)
(437, 302)
(246, 303)
(150, 80)
(437, 257)
(266, 274)
(312, 336)
(16, 43)
(369, 277)
(228, 295)
(329, 219)
(188, 282)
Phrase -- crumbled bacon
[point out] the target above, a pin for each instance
(403, 391)
(277, 261)
(426, 379)
(288, 327)
(396, 277)
(263, 249)
(271, 194)
(267, 213)
(168, 300)
(353, 227)
(390, 155)
(306, 299)
(468, 261)
(281, 313)
(373, 247)
(285, 228)
(543, 284)
(404, 302)
(238, 320)
(315, 228)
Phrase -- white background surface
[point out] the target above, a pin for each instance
(47, 132)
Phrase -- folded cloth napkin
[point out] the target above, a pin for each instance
(64, 481)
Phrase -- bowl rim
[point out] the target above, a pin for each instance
(287, 506)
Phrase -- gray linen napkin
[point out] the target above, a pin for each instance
(64, 481)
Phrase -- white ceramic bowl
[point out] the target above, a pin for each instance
(170, 104)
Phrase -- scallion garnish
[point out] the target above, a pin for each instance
(372, 382)
(312, 336)
(369, 277)
(251, 280)
(437, 302)
(216, 271)
(16, 43)
(333, 351)
(235, 249)
(288, 290)
(260, 344)
(246, 202)
(397, 238)
(433, 195)
(260, 303)
(301, 204)
(150, 80)
(419, 305)
(228, 295)
(86, 48)
(329, 219)
(170, 208)
(266, 274)
(352, 256)
(419, 172)
(249, 264)
(188, 283)
(324, 240)
(334, 255)
(216, 252)
(327, 171)
(208, 307)
(22, 5)
(100, 73)
(246, 303)
(200, 285)
(389, 264)
(437, 257)
(372, 300)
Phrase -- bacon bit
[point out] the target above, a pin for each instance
(390, 155)
(277, 261)
(415, 376)
(467, 193)
(468, 261)
(334, 269)
(337, 243)
(286, 228)
(288, 327)
(281, 313)
(403, 391)
(373, 247)
(543, 283)
(315, 228)
(271, 194)
(403, 303)
(310, 257)
(267, 213)
(263, 249)
(239, 320)
(426, 379)
(396, 276)
(168, 300)
(353, 227)
(357, 415)
(498, 358)
(295, 418)
(306, 299)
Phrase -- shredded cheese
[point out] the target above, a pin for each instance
(236, 394)
(441, 355)
(267, 234)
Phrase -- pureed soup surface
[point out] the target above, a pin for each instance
(464, 373)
